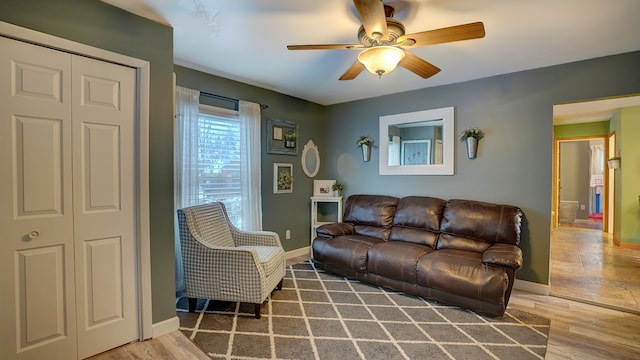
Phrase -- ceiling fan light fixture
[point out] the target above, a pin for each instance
(381, 59)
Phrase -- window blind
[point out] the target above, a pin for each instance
(219, 160)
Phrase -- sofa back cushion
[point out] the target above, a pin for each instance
(417, 220)
(371, 215)
(474, 225)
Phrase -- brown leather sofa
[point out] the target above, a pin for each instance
(457, 252)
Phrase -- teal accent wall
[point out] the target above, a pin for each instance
(280, 212)
(97, 24)
(514, 160)
(599, 128)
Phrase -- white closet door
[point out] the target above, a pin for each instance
(37, 316)
(104, 199)
(67, 204)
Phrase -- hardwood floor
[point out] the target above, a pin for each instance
(578, 331)
(170, 346)
(586, 265)
(583, 331)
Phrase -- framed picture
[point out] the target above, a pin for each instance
(323, 187)
(282, 137)
(282, 178)
(276, 133)
(416, 152)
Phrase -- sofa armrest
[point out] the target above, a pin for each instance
(503, 255)
(334, 229)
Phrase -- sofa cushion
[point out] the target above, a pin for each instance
(396, 259)
(372, 215)
(451, 241)
(417, 220)
(348, 251)
(462, 273)
(484, 222)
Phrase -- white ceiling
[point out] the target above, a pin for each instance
(246, 40)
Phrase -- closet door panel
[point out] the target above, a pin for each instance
(37, 316)
(104, 203)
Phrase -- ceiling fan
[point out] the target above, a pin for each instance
(383, 42)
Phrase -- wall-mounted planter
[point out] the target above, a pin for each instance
(613, 163)
(472, 147)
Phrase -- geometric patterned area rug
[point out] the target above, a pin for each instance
(319, 315)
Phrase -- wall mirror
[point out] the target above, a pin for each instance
(417, 143)
(310, 159)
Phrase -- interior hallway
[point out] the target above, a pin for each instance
(586, 265)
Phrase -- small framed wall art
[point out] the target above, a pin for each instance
(323, 187)
(276, 133)
(282, 137)
(282, 178)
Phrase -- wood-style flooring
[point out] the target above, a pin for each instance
(578, 331)
(586, 265)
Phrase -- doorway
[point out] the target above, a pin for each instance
(581, 182)
(585, 264)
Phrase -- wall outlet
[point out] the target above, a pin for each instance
(287, 235)
(581, 207)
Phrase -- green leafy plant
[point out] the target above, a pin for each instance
(290, 136)
(475, 133)
(337, 187)
(614, 158)
(364, 140)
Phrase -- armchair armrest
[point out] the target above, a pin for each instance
(335, 229)
(255, 238)
(503, 255)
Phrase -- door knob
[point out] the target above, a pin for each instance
(34, 234)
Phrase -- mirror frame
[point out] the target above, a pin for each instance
(310, 147)
(446, 168)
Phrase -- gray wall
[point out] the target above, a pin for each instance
(95, 23)
(514, 159)
(280, 212)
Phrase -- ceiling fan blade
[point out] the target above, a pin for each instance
(418, 66)
(326, 47)
(353, 71)
(373, 18)
(454, 33)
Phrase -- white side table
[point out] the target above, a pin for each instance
(316, 220)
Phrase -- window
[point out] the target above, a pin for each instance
(218, 165)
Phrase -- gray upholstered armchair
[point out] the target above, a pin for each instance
(224, 263)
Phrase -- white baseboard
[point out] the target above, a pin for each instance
(531, 287)
(298, 252)
(166, 326)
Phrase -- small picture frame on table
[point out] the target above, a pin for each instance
(323, 187)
